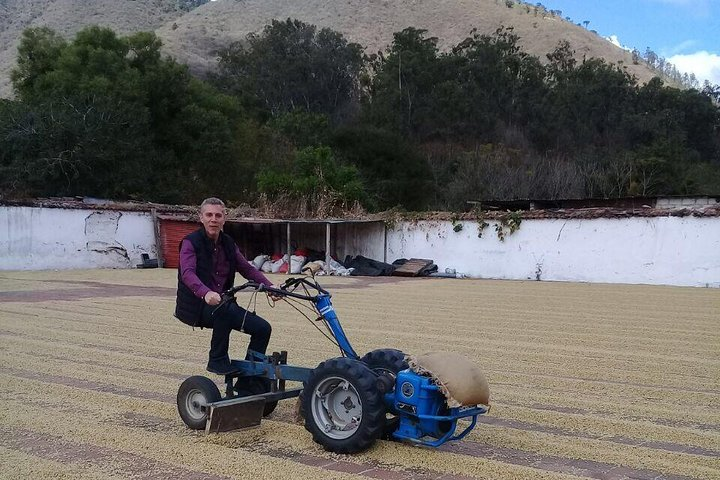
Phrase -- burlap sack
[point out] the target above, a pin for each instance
(312, 268)
(462, 382)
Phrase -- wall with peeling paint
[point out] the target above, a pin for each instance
(644, 250)
(34, 238)
(653, 250)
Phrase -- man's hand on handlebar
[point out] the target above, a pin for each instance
(274, 296)
(212, 298)
(274, 293)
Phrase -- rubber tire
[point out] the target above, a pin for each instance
(363, 381)
(207, 388)
(246, 386)
(392, 360)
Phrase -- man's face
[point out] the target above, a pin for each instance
(213, 219)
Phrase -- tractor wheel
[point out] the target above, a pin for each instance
(246, 386)
(387, 361)
(193, 395)
(342, 407)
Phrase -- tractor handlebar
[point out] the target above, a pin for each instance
(282, 291)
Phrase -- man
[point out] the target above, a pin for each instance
(209, 259)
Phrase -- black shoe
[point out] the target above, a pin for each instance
(221, 367)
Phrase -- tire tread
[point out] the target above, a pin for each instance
(373, 416)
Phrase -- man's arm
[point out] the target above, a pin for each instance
(188, 263)
(248, 270)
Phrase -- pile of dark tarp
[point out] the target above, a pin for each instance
(374, 268)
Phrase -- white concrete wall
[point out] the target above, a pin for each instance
(53, 238)
(655, 250)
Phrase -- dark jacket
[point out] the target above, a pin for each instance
(188, 307)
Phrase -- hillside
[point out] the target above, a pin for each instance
(69, 16)
(195, 36)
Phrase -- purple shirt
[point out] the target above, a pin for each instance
(221, 269)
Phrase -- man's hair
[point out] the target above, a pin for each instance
(211, 201)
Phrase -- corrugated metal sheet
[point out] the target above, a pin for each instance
(171, 234)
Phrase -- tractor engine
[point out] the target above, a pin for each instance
(418, 401)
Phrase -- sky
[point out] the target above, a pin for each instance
(685, 32)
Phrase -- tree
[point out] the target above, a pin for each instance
(89, 145)
(316, 179)
(588, 103)
(393, 172)
(304, 129)
(712, 92)
(503, 86)
(290, 66)
(650, 57)
(63, 84)
(400, 96)
(483, 87)
(94, 64)
(562, 61)
(38, 55)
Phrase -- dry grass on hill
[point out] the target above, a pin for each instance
(193, 38)
(587, 381)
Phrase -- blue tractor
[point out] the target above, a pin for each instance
(347, 402)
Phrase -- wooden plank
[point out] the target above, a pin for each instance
(412, 267)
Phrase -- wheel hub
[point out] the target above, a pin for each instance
(195, 403)
(336, 405)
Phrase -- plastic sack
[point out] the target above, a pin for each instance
(280, 266)
(260, 260)
(296, 263)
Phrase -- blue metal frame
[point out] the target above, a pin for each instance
(262, 366)
(455, 415)
(325, 308)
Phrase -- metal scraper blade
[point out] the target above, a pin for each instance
(226, 416)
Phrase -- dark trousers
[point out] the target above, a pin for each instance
(232, 317)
